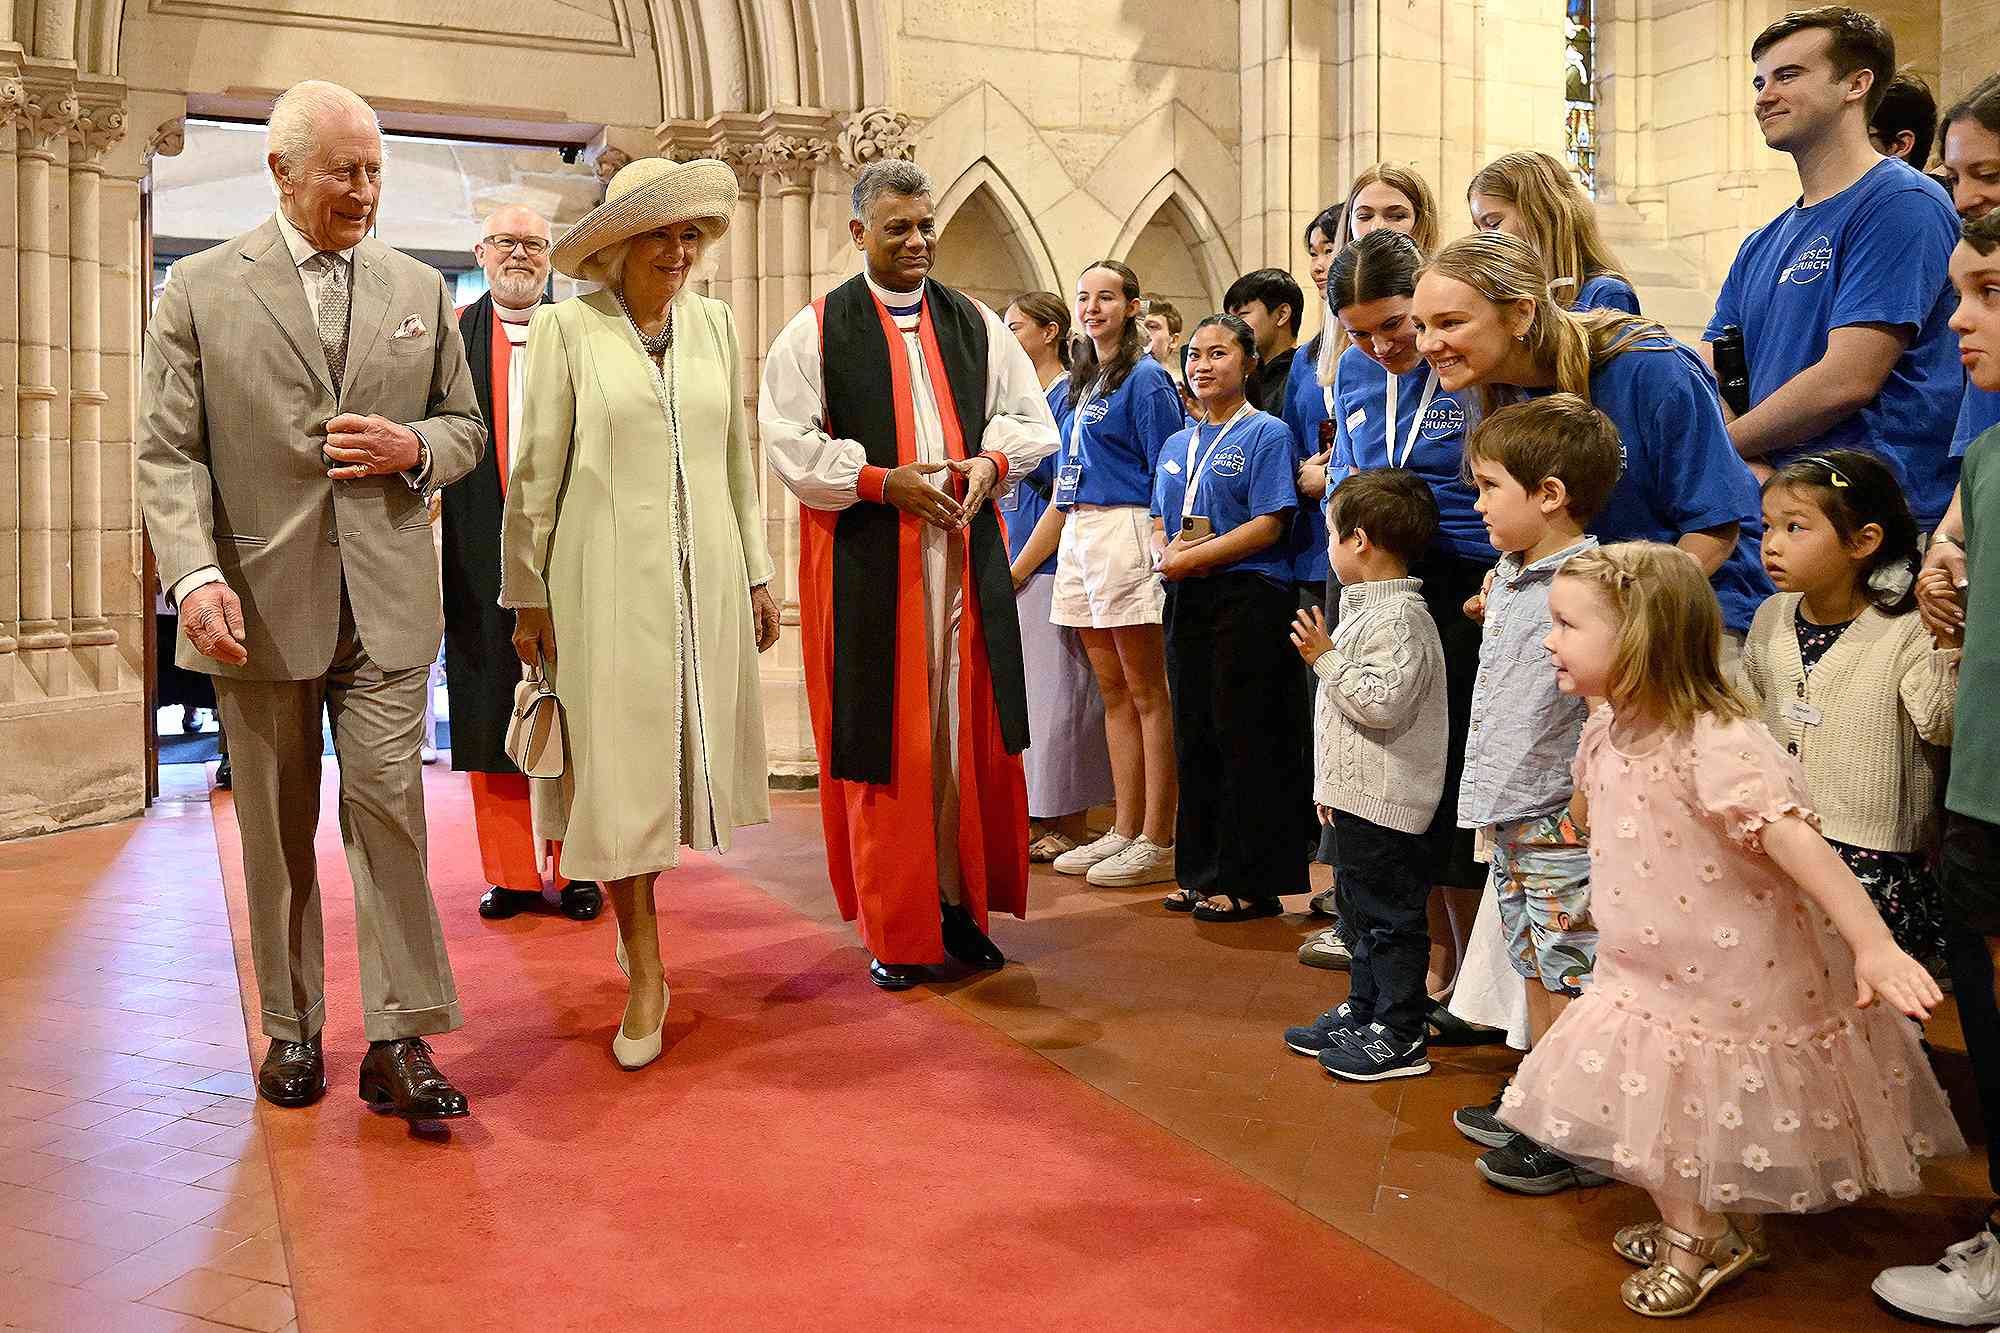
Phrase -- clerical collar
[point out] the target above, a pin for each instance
(512, 316)
(899, 303)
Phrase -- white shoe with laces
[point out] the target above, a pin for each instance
(1962, 1288)
(1143, 861)
(1079, 860)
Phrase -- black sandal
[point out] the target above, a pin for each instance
(1181, 900)
(1242, 909)
(1444, 1028)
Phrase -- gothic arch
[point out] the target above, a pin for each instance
(741, 55)
(1023, 239)
(1175, 201)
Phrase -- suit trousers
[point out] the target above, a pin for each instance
(407, 988)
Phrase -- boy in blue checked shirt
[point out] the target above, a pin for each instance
(1541, 471)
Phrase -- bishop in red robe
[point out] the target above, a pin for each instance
(893, 408)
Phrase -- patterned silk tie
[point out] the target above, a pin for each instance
(333, 312)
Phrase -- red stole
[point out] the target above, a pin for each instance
(880, 837)
(503, 357)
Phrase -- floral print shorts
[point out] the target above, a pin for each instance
(1541, 878)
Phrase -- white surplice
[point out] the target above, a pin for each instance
(822, 472)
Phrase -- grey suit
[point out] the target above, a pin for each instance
(339, 585)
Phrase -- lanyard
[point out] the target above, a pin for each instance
(1389, 418)
(1196, 474)
(1076, 422)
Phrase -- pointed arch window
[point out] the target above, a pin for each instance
(1580, 90)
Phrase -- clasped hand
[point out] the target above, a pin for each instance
(1941, 592)
(906, 489)
(369, 446)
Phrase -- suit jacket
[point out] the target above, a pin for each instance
(481, 668)
(234, 399)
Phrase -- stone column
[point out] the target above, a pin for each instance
(101, 124)
(13, 100)
(49, 115)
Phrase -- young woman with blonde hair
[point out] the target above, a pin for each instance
(1533, 196)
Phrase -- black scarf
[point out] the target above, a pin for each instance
(860, 405)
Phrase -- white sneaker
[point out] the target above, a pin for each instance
(1961, 1288)
(1079, 860)
(1143, 861)
(1325, 950)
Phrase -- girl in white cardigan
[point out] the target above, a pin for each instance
(1847, 678)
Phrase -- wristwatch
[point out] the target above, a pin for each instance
(416, 476)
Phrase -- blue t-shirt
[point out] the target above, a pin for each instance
(1607, 291)
(1111, 444)
(1681, 472)
(1978, 412)
(1251, 475)
(1360, 402)
(1029, 500)
(1876, 253)
(1306, 416)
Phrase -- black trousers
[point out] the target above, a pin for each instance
(1970, 879)
(1239, 710)
(1380, 887)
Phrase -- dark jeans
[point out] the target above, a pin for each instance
(1380, 886)
(1239, 710)
(1969, 876)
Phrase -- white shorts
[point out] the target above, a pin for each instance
(1104, 570)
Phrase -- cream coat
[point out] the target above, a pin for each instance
(591, 530)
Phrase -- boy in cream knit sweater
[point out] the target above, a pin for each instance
(1379, 757)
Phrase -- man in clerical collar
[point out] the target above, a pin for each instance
(893, 407)
(481, 667)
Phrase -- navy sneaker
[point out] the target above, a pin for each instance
(1372, 1054)
(1526, 1167)
(1329, 1029)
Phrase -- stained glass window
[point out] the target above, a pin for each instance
(1580, 90)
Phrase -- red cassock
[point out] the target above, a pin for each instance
(880, 838)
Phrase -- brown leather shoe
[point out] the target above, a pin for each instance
(293, 1073)
(399, 1077)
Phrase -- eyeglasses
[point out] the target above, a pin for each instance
(530, 246)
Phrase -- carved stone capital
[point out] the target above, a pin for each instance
(100, 124)
(168, 139)
(13, 100)
(790, 157)
(609, 162)
(51, 112)
(872, 134)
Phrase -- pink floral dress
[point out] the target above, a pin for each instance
(1717, 1054)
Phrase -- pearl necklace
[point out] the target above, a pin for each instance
(658, 344)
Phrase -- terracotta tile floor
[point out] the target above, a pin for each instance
(134, 1194)
(1183, 1021)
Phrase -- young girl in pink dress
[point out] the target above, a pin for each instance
(1728, 1057)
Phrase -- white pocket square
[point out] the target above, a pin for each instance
(411, 327)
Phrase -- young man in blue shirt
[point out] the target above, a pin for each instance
(1843, 298)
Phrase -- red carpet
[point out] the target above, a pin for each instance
(809, 1152)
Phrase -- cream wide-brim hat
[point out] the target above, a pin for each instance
(644, 196)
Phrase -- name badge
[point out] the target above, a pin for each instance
(1068, 478)
(1798, 710)
(1356, 417)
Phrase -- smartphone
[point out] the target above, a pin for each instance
(1197, 528)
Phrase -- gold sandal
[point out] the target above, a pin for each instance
(1663, 1291)
(1638, 1243)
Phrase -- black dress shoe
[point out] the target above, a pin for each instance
(582, 900)
(498, 904)
(398, 1077)
(223, 780)
(897, 976)
(293, 1073)
(967, 942)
